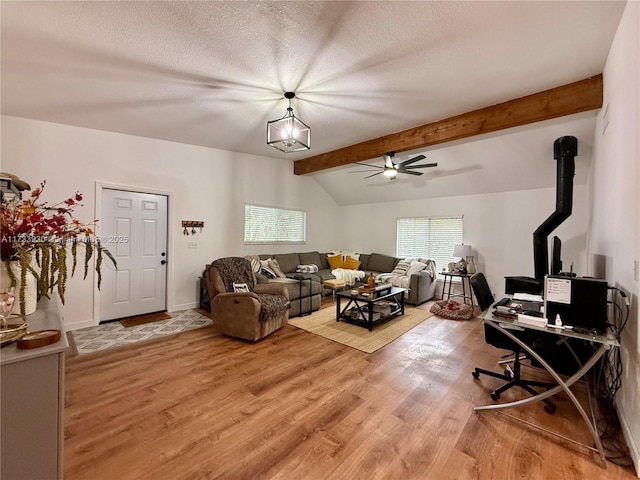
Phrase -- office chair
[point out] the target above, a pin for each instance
(512, 375)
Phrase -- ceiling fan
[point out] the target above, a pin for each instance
(391, 170)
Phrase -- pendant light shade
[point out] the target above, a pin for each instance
(289, 133)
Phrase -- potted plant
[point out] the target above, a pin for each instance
(44, 240)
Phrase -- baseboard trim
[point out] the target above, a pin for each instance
(78, 325)
(634, 452)
(184, 306)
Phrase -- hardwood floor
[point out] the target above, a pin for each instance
(199, 405)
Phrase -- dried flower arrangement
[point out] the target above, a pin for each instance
(49, 234)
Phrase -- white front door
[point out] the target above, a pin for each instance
(133, 228)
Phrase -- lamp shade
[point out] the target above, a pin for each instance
(462, 250)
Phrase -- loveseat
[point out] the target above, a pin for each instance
(421, 284)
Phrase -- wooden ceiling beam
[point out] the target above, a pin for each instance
(576, 97)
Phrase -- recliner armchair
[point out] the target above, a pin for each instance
(250, 315)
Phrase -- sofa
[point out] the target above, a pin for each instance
(421, 285)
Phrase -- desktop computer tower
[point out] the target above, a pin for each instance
(580, 302)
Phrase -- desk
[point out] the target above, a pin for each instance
(465, 280)
(600, 343)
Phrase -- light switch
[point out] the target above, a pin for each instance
(192, 244)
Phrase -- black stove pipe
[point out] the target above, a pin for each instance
(564, 151)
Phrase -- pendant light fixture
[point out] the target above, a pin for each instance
(289, 133)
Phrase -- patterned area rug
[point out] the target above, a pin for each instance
(323, 323)
(113, 334)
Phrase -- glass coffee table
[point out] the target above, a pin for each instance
(366, 310)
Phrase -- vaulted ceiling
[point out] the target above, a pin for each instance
(213, 73)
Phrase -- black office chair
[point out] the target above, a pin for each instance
(496, 338)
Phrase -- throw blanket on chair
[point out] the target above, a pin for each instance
(234, 270)
(272, 306)
(238, 270)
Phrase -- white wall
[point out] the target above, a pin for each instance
(498, 226)
(205, 184)
(615, 223)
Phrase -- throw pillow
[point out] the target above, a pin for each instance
(415, 268)
(311, 268)
(266, 270)
(275, 267)
(354, 255)
(255, 265)
(401, 268)
(335, 261)
(351, 263)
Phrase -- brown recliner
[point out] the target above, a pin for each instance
(250, 315)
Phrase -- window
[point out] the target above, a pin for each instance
(429, 237)
(274, 225)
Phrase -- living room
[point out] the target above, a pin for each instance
(212, 185)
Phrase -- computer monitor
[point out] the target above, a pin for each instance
(556, 258)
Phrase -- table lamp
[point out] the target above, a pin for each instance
(462, 251)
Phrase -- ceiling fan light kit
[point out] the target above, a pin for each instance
(289, 133)
(392, 173)
(391, 170)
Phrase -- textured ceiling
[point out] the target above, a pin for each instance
(213, 73)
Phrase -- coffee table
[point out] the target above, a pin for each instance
(367, 307)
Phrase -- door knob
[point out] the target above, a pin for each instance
(162, 262)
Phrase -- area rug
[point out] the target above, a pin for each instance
(113, 334)
(142, 319)
(323, 323)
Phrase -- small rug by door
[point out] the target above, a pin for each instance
(323, 323)
(142, 319)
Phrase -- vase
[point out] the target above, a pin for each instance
(471, 267)
(31, 290)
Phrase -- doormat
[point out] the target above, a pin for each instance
(142, 319)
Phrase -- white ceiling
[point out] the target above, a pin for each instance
(213, 73)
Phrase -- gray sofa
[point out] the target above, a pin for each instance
(421, 287)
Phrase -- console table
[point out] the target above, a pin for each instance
(31, 410)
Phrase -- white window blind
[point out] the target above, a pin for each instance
(429, 237)
(274, 225)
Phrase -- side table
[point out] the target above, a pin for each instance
(466, 282)
(205, 301)
(300, 279)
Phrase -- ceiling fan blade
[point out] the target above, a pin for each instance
(373, 175)
(361, 171)
(410, 172)
(422, 165)
(412, 160)
(367, 165)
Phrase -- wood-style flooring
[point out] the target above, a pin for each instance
(200, 405)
